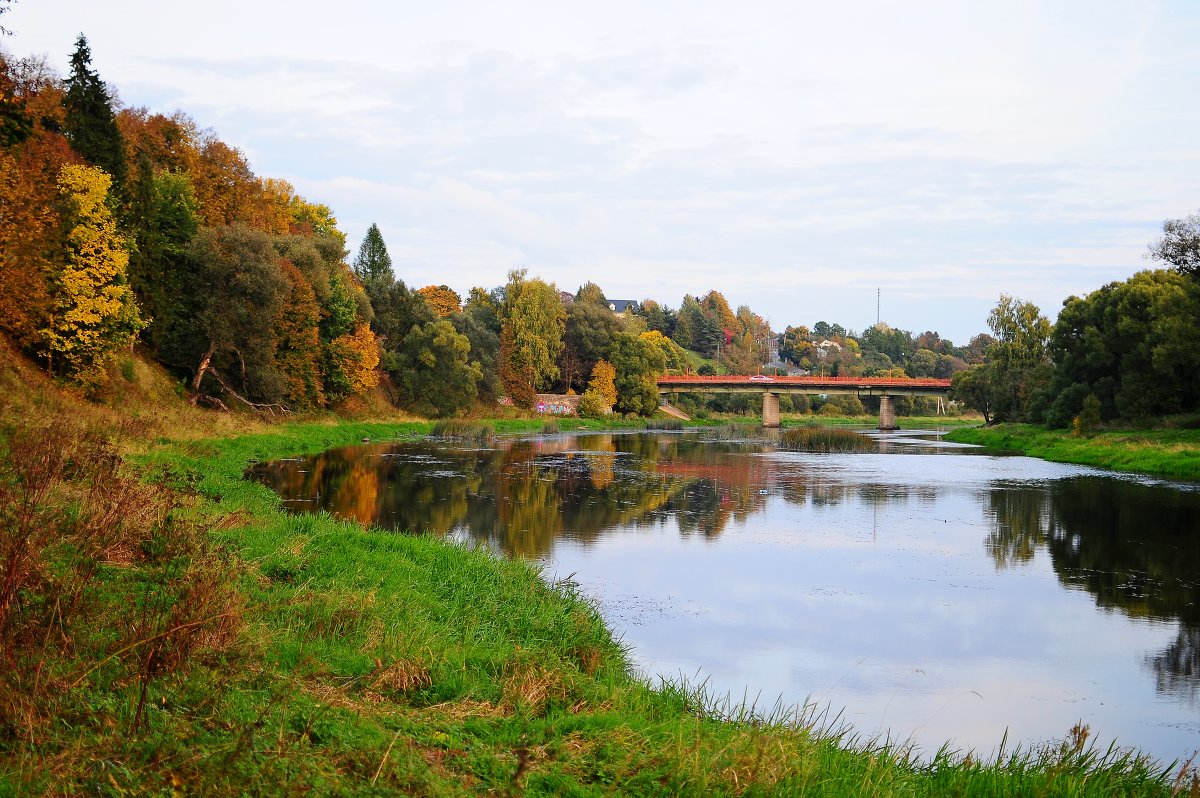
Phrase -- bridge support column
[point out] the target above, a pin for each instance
(770, 409)
(887, 414)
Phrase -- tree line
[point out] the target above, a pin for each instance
(119, 225)
(1125, 353)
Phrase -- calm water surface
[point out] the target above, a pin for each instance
(925, 591)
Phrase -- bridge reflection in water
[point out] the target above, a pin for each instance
(885, 388)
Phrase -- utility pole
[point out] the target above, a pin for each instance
(877, 291)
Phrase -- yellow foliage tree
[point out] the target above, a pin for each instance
(442, 300)
(94, 313)
(601, 393)
(674, 354)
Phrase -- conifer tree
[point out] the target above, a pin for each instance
(91, 125)
(373, 261)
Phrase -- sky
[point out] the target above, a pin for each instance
(802, 158)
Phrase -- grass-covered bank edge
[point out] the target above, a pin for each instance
(410, 663)
(1170, 453)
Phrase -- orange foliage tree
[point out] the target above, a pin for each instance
(442, 300)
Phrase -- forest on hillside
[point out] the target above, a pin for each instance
(124, 227)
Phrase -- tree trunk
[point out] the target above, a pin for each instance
(201, 371)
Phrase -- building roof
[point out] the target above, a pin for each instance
(623, 305)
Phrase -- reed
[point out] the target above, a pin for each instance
(460, 430)
(824, 439)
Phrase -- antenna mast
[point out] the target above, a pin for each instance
(877, 290)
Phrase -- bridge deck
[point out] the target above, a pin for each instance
(863, 385)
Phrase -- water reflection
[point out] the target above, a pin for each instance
(812, 563)
(1133, 546)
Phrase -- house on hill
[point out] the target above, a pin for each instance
(620, 306)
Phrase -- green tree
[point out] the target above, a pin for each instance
(480, 324)
(95, 314)
(372, 261)
(1180, 245)
(238, 291)
(533, 322)
(432, 371)
(1130, 344)
(587, 334)
(973, 387)
(91, 125)
(167, 221)
(1019, 357)
(638, 364)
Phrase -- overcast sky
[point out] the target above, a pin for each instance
(795, 156)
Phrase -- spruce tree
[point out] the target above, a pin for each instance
(91, 125)
(372, 261)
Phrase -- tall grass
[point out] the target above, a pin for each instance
(667, 424)
(824, 439)
(460, 430)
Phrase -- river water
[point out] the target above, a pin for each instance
(920, 591)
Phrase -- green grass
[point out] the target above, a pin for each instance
(369, 663)
(1173, 453)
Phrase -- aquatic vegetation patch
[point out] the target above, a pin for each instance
(825, 439)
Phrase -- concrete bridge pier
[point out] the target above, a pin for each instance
(887, 414)
(770, 409)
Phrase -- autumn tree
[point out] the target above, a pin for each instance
(601, 393)
(31, 230)
(91, 125)
(94, 313)
(372, 261)
(352, 363)
(225, 185)
(298, 342)
(533, 322)
(673, 354)
(443, 300)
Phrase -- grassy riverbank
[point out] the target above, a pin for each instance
(174, 632)
(1173, 453)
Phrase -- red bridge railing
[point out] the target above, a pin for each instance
(816, 382)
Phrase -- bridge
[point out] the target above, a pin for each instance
(771, 387)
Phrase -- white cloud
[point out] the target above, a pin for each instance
(794, 156)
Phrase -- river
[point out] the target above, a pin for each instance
(917, 591)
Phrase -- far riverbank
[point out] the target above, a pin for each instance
(1169, 453)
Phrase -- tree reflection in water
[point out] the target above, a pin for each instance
(1134, 547)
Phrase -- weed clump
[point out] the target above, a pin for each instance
(669, 424)
(818, 438)
(457, 430)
